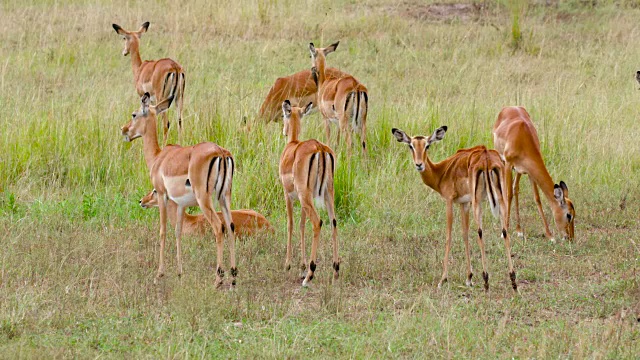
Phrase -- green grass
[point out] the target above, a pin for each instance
(79, 255)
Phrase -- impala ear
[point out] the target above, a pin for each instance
(565, 189)
(312, 50)
(331, 48)
(286, 108)
(558, 194)
(401, 136)
(307, 109)
(145, 100)
(143, 28)
(119, 30)
(164, 105)
(438, 134)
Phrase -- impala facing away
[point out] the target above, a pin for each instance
(299, 88)
(188, 176)
(247, 222)
(468, 176)
(516, 139)
(340, 100)
(160, 78)
(306, 172)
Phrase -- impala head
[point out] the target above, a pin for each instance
(419, 144)
(565, 217)
(130, 37)
(319, 54)
(150, 200)
(137, 126)
(291, 117)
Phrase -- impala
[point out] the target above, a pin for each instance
(516, 139)
(468, 176)
(160, 78)
(340, 100)
(247, 222)
(306, 172)
(188, 176)
(299, 88)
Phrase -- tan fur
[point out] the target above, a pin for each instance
(468, 176)
(247, 222)
(306, 172)
(299, 88)
(208, 169)
(340, 99)
(157, 77)
(516, 139)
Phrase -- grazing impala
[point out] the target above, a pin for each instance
(188, 176)
(306, 172)
(516, 139)
(468, 176)
(340, 100)
(247, 222)
(299, 88)
(160, 78)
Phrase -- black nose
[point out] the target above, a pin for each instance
(638, 72)
(140, 202)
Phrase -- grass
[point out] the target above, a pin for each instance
(79, 254)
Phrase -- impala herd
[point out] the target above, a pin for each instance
(197, 175)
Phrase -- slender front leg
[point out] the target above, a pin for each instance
(516, 191)
(536, 196)
(179, 221)
(464, 215)
(447, 247)
(507, 190)
(162, 205)
(287, 263)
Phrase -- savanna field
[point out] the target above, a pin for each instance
(79, 255)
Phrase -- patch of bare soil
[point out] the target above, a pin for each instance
(440, 12)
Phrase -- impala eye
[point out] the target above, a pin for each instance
(411, 147)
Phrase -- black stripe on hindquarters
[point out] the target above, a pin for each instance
(209, 173)
(495, 170)
(310, 166)
(324, 168)
(224, 178)
(332, 165)
(357, 107)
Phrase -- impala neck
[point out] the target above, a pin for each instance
(136, 61)
(151, 148)
(544, 181)
(320, 70)
(294, 130)
(432, 173)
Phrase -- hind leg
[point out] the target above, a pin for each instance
(303, 251)
(225, 205)
(165, 127)
(464, 216)
(307, 203)
(206, 204)
(507, 245)
(536, 197)
(329, 204)
(516, 191)
(477, 214)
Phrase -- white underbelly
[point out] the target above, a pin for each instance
(178, 192)
(463, 199)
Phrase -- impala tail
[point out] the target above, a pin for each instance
(321, 168)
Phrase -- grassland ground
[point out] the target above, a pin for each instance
(79, 255)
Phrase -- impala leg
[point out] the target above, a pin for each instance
(507, 190)
(180, 107)
(303, 251)
(447, 247)
(165, 127)
(206, 204)
(477, 214)
(179, 221)
(329, 204)
(307, 203)
(327, 130)
(516, 192)
(287, 263)
(225, 206)
(536, 197)
(345, 128)
(363, 135)
(464, 215)
(507, 246)
(162, 206)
